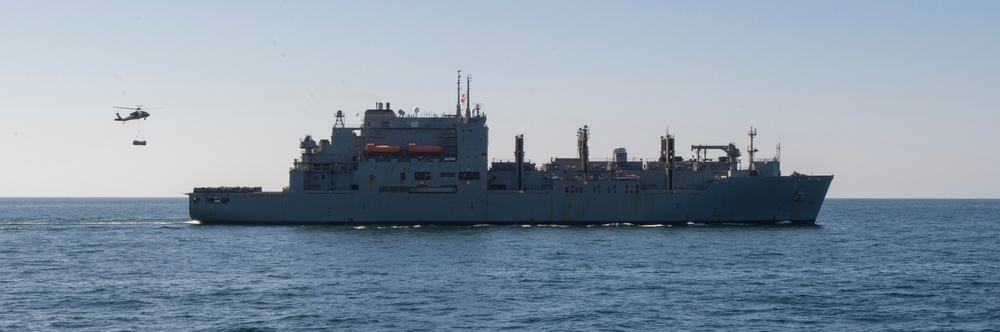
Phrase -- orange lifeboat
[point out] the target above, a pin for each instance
(424, 149)
(372, 148)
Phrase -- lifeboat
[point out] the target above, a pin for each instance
(372, 148)
(424, 149)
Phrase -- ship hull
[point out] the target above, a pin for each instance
(743, 200)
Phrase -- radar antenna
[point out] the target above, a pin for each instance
(340, 120)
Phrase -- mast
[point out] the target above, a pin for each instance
(458, 105)
(582, 136)
(468, 83)
(752, 133)
(340, 120)
(667, 158)
(519, 162)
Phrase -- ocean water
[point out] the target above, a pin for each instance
(100, 264)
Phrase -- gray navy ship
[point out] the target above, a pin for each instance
(406, 169)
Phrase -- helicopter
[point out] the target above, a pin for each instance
(136, 115)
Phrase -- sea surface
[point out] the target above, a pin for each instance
(110, 264)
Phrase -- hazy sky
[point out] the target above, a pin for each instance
(895, 98)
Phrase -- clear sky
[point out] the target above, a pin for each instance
(895, 98)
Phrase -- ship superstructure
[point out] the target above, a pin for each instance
(406, 169)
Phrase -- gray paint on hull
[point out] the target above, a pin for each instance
(734, 200)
